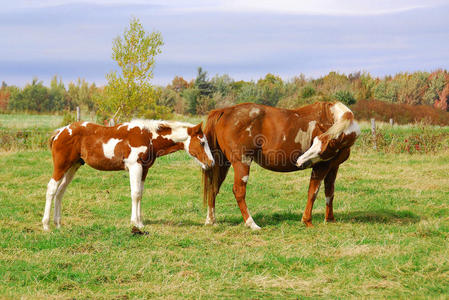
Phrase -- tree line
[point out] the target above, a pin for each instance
(202, 94)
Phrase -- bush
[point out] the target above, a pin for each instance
(400, 113)
(345, 97)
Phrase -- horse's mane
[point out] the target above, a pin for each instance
(343, 118)
(154, 125)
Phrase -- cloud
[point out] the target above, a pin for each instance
(316, 7)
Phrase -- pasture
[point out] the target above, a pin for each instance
(391, 238)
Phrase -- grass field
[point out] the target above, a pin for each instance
(391, 238)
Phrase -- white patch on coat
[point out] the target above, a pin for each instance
(109, 147)
(249, 130)
(284, 138)
(311, 154)
(245, 178)
(305, 137)
(328, 200)
(131, 125)
(134, 154)
(85, 124)
(246, 160)
(254, 112)
(60, 130)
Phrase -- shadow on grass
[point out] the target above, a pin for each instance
(384, 216)
(179, 223)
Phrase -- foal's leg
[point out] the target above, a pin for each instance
(139, 211)
(60, 166)
(135, 178)
(52, 188)
(65, 181)
(314, 186)
(329, 181)
(241, 174)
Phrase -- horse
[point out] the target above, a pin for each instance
(316, 136)
(132, 146)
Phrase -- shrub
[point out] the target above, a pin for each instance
(400, 113)
(345, 97)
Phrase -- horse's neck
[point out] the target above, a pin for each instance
(166, 144)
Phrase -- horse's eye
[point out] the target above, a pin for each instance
(202, 143)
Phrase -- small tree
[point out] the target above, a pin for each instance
(130, 93)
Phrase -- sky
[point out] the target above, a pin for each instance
(245, 39)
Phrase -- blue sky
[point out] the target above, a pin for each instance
(244, 38)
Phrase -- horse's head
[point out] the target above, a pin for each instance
(325, 147)
(196, 145)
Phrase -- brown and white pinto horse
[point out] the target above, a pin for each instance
(132, 146)
(317, 136)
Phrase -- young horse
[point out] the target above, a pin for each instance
(132, 146)
(317, 136)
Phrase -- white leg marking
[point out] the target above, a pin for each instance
(66, 179)
(210, 219)
(250, 222)
(328, 200)
(139, 211)
(52, 187)
(135, 179)
(109, 147)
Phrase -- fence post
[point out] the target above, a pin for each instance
(78, 114)
(391, 121)
(373, 133)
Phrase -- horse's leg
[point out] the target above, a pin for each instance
(52, 188)
(139, 211)
(135, 179)
(241, 174)
(314, 186)
(59, 167)
(220, 172)
(65, 181)
(329, 181)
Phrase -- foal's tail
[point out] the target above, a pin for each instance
(212, 177)
(52, 137)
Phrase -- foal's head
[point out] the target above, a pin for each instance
(196, 145)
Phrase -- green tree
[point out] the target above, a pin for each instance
(129, 92)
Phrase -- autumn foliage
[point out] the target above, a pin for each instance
(401, 113)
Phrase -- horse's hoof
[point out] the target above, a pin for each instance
(46, 228)
(251, 224)
(209, 222)
(308, 224)
(137, 231)
(329, 220)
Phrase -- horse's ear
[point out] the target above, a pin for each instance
(198, 128)
(195, 129)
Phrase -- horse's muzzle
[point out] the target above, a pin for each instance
(305, 165)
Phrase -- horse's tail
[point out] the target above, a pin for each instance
(52, 137)
(211, 176)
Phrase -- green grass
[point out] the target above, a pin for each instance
(29, 121)
(391, 238)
